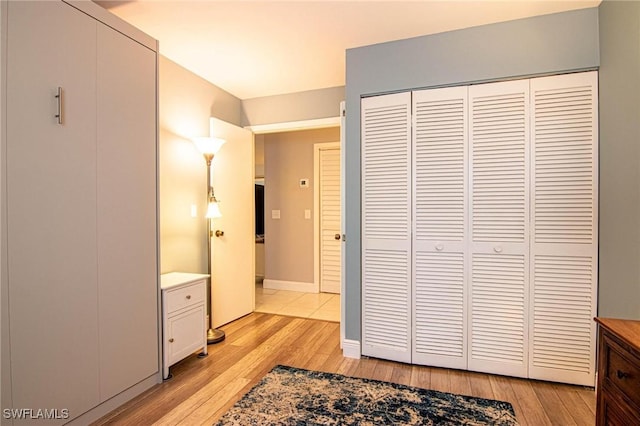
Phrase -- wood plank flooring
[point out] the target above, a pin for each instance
(201, 390)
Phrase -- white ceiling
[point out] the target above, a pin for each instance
(261, 48)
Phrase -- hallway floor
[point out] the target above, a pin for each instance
(322, 306)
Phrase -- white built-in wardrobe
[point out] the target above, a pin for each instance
(80, 211)
(479, 220)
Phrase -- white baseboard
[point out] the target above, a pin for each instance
(351, 349)
(290, 285)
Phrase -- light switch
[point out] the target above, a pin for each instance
(275, 214)
(307, 214)
(194, 210)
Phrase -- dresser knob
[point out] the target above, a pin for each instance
(188, 296)
(622, 374)
(171, 340)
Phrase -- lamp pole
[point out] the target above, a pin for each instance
(213, 335)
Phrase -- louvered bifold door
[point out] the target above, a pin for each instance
(440, 227)
(564, 243)
(499, 221)
(386, 228)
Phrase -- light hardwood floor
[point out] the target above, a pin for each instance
(201, 390)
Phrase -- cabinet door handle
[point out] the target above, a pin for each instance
(171, 340)
(622, 374)
(188, 296)
(60, 114)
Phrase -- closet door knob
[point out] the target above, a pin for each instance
(497, 249)
(188, 297)
(337, 237)
(439, 247)
(171, 340)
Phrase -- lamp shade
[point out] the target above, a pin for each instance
(208, 145)
(213, 210)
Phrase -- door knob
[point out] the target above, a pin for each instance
(337, 237)
(219, 233)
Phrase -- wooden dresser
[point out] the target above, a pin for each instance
(618, 390)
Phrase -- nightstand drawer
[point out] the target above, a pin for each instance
(184, 297)
(624, 374)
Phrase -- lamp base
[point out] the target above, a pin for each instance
(215, 336)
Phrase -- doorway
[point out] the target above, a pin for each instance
(290, 286)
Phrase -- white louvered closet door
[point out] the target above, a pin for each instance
(386, 227)
(564, 243)
(499, 220)
(440, 227)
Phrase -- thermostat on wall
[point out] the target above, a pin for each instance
(304, 183)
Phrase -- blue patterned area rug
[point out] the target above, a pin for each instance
(292, 396)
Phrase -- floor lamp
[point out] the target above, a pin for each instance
(209, 148)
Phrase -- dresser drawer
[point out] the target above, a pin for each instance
(624, 374)
(184, 297)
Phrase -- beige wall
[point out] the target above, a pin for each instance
(259, 154)
(186, 103)
(183, 244)
(289, 240)
(300, 106)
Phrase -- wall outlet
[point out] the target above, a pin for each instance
(304, 183)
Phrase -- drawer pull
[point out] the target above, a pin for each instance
(171, 340)
(622, 374)
(188, 296)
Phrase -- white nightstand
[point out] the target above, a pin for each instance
(184, 316)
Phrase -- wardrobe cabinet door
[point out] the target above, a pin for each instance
(440, 227)
(386, 227)
(126, 185)
(51, 206)
(499, 220)
(564, 228)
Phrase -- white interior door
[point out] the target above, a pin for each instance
(329, 196)
(233, 253)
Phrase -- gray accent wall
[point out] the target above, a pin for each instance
(548, 44)
(619, 292)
